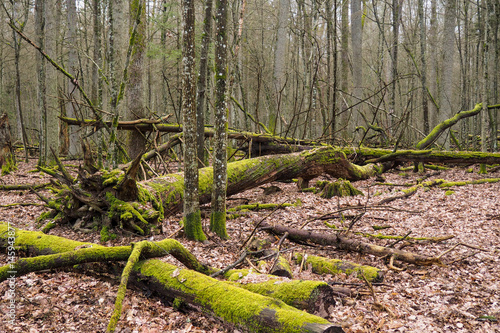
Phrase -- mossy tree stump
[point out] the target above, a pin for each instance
(339, 188)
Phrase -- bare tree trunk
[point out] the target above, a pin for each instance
(344, 70)
(192, 215)
(97, 85)
(423, 71)
(41, 75)
(446, 87)
(433, 89)
(21, 130)
(357, 60)
(280, 60)
(136, 110)
(74, 149)
(218, 215)
(202, 84)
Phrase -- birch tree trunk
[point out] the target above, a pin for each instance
(192, 215)
(218, 215)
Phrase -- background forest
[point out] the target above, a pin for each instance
(327, 70)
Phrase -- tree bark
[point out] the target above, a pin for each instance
(236, 306)
(344, 243)
(112, 194)
(192, 215)
(218, 214)
(136, 140)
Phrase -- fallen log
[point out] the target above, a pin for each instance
(235, 306)
(375, 155)
(316, 297)
(114, 198)
(322, 265)
(342, 242)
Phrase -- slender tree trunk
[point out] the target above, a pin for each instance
(344, 69)
(280, 58)
(41, 75)
(433, 87)
(97, 88)
(136, 110)
(218, 215)
(21, 130)
(357, 60)
(74, 149)
(446, 87)
(202, 83)
(485, 82)
(192, 215)
(423, 60)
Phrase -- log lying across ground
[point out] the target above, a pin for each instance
(115, 198)
(238, 307)
(342, 242)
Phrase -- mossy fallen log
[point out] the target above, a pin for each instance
(55, 252)
(374, 155)
(343, 242)
(114, 198)
(235, 306)
(316, 297)
(322, 265)
(242, 308)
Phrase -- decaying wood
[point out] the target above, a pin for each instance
(321, 265)
(187, 288)
(343, 242)
(139, 205)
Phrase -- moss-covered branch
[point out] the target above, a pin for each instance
(322, 265)
(140, 205)
(343, 242)
(235, 306)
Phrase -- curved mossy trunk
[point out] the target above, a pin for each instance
(226, 301)
(241, 308)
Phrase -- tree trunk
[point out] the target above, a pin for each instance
(202, 83)
(218, 214)
(112, 194)
(446, 86)
(136, 140)
(192, 217)
(236, 306)
(75, 148)
(342, 242)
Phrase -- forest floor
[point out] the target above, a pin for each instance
(463, 296)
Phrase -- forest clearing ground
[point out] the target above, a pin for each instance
(422, 299)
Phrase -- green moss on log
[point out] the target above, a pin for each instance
(235, 305)
(322, 265)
